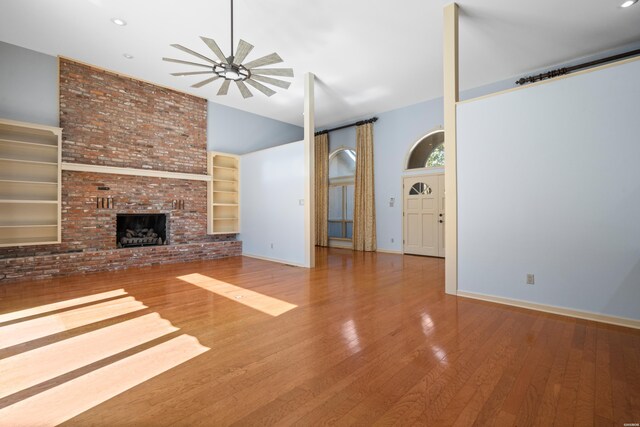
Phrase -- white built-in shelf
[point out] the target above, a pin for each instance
(25, 241)
(53, 202)
(13, 181)
(27, 143)
(37, 162)
(29, 184)
(28, 225)
(224, 196)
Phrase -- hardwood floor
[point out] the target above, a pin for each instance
(365, 339)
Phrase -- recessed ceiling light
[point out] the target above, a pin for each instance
(126, 55)
(628, 3)
(118, 21)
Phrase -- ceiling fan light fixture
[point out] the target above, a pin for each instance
(233, 68)
(231, 72)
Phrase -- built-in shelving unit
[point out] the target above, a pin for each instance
(224, 193)
(29, 184)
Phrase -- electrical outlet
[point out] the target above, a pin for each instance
(272, 246)
(392, 240)
(531, 280)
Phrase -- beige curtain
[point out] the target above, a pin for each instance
(322, 188)
(364, 215)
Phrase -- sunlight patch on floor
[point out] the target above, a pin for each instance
(255, 300)
(41, 364)
(59, 305)
(64, 401)
(30, 330)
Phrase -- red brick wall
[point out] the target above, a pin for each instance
(65, 264)
(112, 120)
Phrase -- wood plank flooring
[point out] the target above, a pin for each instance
(363, 339)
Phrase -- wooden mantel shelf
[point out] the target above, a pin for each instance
(79, 167)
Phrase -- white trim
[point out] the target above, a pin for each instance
(562, 311)
(279, 261)
(79, 167)
(389, 251)
(451, 95)
(309, 166)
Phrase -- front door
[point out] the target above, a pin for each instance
(423, 215)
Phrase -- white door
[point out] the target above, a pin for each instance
(424, 215)
(441, 215)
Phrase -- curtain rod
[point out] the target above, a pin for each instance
(566, 70)
(361, 122)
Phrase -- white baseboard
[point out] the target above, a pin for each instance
(279, 261)
(389, 251)
(587, 315)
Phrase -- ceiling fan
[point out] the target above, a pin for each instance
(232, 69)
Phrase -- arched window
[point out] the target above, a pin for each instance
(342, 170)
(428, 152)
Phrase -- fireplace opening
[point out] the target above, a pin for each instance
(141, 230)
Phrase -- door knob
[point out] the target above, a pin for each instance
(441, 221)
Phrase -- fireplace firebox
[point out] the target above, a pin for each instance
(141, 230)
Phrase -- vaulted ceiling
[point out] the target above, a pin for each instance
(368, 55)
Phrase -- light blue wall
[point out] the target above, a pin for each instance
(549, 184)
(272, 218)
(235, 131)
(28, 85)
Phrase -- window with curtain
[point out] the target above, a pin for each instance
(342, 167)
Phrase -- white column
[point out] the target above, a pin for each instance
(450, 69)
(309, 159)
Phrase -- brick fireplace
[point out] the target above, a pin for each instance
(113, 121)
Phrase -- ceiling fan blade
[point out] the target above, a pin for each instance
(194, 53)
(262, 88)
(275, 82)
(191, 73)
(224, 88)
(242, 51)
(180, 61)
(274, 58)
(215, 48)
(205, 82)
(283, 72)
(244, 90)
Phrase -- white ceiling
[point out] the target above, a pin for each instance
(369, 55)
